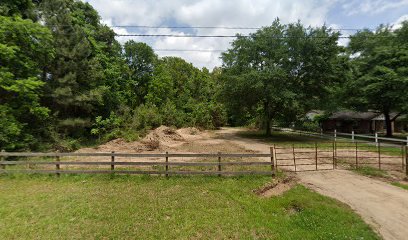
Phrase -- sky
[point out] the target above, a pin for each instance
(338, 14)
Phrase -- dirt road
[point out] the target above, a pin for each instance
(383, 206)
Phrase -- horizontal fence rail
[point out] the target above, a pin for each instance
(134, 155)
(112, 163)
(331, 155)
(335, 134)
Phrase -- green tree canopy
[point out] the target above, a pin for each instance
(141, 60)
(381, 71)
(23, 47)
(83, 80)
(279, 72)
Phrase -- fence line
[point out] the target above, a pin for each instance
(332, 154)
(334, 135)
(355, 155)
(112, 163)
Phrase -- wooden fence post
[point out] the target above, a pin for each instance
(1, 161)
(406, 160)
(219, 164)
(113, 161)
(272, 162)
(334, 156)
(316, 154)
(402, 157)
(376, 138)
(356, 155)
(294, 156)
(275, 156)
(57, 166)
(379, 155)
(167, 165)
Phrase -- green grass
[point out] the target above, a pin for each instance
(401, 185)
(371, 172)
(282, 138)
(143, 207)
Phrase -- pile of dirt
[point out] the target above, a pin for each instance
(189, 131)
(117, 145)
(162, 137)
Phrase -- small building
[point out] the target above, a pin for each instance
(347, 121)
(363, 122)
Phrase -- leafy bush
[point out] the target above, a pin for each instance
(171, 116)
(11, 131)
(208, 115)
(310, 126)
(146, 117)
(110, 127)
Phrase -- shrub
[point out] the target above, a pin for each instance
(109, 127)
(146, 117)
(171, 116)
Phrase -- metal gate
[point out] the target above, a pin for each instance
(345, 155)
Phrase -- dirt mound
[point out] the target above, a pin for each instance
(161, 136)
(188, 131)
(120, 145)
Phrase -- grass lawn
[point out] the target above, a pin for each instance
(371, 172)
(401, 185)
(143, 207)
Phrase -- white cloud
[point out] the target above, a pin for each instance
(371, 7)
(398, 23)
(239, 13)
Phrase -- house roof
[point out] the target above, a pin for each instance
(381, 117)
(352, 115)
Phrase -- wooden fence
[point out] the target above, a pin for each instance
(311, 157)
(14, 159)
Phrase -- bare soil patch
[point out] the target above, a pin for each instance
(383, 206)
(277, 187)
(165, 139)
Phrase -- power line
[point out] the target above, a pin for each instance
(221, 27)
(210, 27)
(178, 35)
(236, 36)
(186, 27)
(189, 50)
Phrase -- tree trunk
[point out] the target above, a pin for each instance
(268, 127)
(267, 119)
(388, 123)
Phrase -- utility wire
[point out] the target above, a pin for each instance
(212, 27)
(185, 27)
(189, 50)
(233, 36)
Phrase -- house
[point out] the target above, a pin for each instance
(379, 122)
(347, 121)
(363, 122)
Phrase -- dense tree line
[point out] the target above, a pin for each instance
(65, 79)
(280, 72)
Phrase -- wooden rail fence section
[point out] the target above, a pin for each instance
(113, 162)
(288, 158)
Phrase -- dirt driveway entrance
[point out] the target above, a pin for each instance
(383, 206)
